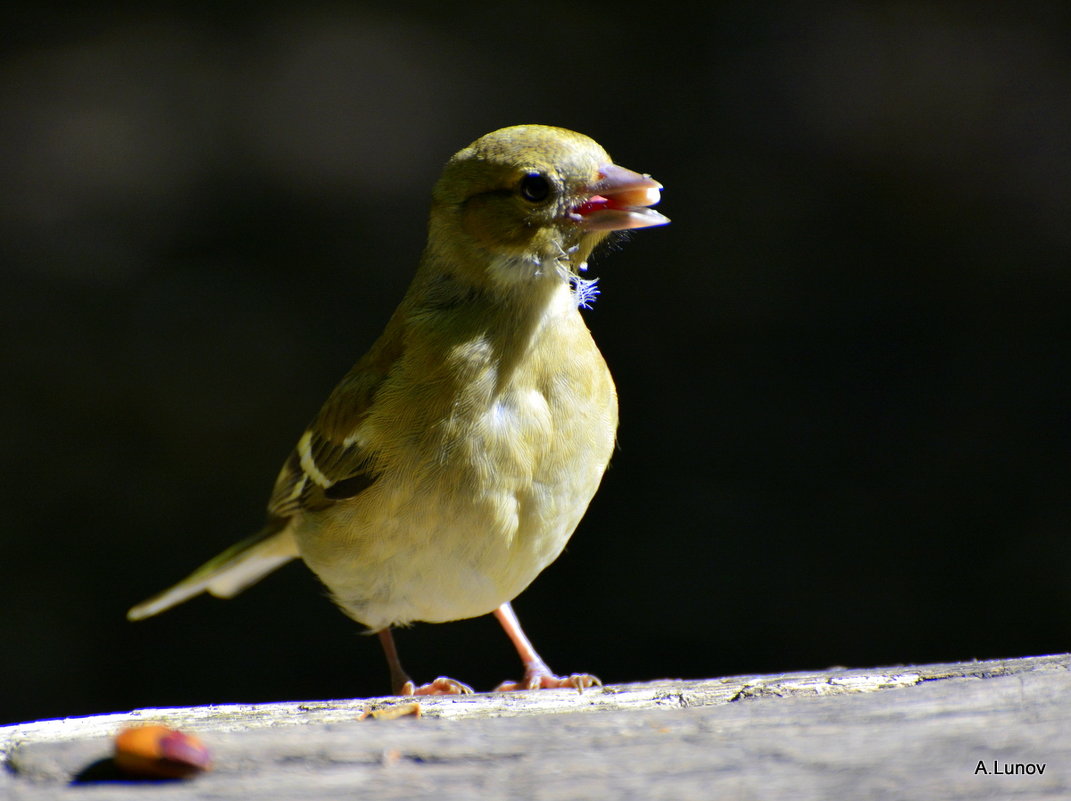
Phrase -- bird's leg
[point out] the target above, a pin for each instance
(400, 682)
(537, 676)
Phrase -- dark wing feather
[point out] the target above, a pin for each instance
(327, 465)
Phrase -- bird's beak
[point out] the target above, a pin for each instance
(618, 200)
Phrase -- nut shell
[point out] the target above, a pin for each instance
(157, 752)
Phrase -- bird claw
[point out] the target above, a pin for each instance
(441, 686)
(548, 681)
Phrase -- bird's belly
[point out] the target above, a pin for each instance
(500, 504)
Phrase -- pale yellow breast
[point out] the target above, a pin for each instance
(482, 490)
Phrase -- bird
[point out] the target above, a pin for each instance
(454, 460)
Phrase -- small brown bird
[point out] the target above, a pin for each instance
(453, 462)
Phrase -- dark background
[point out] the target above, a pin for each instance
(843, 369)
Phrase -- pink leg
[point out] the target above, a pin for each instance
(400, 682)
(537, 675)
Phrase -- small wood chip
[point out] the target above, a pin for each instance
(391, 712)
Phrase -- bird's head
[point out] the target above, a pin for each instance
(531, 202)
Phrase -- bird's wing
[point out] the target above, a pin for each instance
(326, 466)
(319, 472)
(329, 464)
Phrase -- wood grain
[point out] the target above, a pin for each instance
(924, 732)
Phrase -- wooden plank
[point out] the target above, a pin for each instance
(903, 732)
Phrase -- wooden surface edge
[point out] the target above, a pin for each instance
(664, 693)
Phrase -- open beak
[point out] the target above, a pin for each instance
(619, 200)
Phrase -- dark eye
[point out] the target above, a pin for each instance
(534, 187)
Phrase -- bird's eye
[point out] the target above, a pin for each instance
(535, 187)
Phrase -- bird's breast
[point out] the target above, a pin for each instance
(482, 489)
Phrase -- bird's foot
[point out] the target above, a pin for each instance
(545, 680)
(441, 686)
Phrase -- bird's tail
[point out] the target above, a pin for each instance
(229, 573)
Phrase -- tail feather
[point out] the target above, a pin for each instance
(228, 574)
